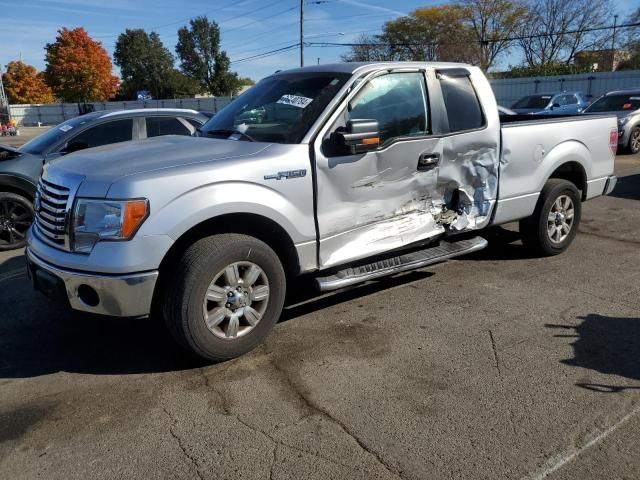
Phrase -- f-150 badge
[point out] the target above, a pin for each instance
(286, 175)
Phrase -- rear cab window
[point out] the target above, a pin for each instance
(461, 102)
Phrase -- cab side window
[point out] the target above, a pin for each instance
(398, 101)
(461, 102)
(103, 134)
(158, 126)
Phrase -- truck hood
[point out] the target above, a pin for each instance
(111, 163)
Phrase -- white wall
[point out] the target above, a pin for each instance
(54, 113)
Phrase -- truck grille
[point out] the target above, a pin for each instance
(51, 212)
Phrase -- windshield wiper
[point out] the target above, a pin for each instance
(230, 131)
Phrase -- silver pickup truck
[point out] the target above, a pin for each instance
(347, 172)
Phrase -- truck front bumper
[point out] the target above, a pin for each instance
(117, 295)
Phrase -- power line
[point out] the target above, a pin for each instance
(508, 39)
(184, 20)
(555, 34)
(267, 54)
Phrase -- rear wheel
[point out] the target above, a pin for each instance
(634, 140)
(16, 215)
(554, 223)
(225, 295)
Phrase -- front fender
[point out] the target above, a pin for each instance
(209, 201)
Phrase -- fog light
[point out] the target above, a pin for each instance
(88, 295)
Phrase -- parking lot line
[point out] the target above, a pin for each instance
(558, 461)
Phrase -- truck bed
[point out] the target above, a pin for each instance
(583, 145)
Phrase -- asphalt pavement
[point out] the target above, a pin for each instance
(496, 365)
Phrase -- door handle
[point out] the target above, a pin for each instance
(428, 161)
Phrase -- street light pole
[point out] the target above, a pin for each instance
(302, 33)
(613, 43)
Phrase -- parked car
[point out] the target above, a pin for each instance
(20, 168)
(625, 105)
(563, 103)
(346, 173)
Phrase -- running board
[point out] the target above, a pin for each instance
(401, 263)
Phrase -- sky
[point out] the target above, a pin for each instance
(248, 27)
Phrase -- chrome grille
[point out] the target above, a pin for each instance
(51, 212)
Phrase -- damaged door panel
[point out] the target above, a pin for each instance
(422, 181)
(380, 200)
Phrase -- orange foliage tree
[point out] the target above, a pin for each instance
(23, 84)
(79, 68)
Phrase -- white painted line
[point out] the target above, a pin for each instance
(558, 461)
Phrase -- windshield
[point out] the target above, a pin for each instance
(532, 101)
(44, 141)
(616, 103)
(279, 109)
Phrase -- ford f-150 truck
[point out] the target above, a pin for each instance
(347, 172)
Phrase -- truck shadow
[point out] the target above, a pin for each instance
(607, 345)
(38, 337)
(627, 187)
(504, 244)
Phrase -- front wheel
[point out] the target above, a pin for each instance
(224, 296)
(16, 215)
(554, 223)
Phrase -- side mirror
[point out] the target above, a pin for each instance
(555, 105)
(360, 136)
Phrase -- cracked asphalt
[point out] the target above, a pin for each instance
(496, 365)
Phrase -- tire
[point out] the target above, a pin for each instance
(546, 236)
(634, 140)
(210, 295)
(16, 215)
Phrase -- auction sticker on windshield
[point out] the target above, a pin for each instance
(66, 128)
(295, 101)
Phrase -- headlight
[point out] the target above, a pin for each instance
(95, 220)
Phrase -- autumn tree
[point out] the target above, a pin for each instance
(145, 64)
(201, 58)
(23, 84)
(426, 34)
(79, 68)
(494, 23)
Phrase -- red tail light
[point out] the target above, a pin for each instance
(613, 141)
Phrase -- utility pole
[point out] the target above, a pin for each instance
(4, 102)
(613, 43)
(302, 33)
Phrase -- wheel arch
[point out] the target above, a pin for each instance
(18, 185)
(255, 225)
(573, 172)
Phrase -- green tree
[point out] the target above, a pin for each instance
(145, 64)
(201, 58)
